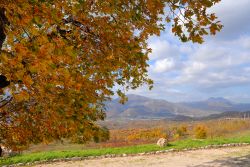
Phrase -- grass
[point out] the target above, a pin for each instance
(182, 144)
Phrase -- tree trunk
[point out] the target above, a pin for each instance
(3, 23)
(1, 151)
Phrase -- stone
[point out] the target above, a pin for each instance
(67, 159)
(20, 164)
(107, 156)
(75, 158)
(4, 151)
(158, 152)
(162, 142)
(91, 157)
(142, 153)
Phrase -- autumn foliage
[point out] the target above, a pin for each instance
(64, 58)
(200, 132)
(149, 131)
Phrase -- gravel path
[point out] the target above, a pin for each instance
(222, 157)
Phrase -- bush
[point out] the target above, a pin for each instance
(179, 132)
(200, 132)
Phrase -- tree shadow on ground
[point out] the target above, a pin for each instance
(243, 161)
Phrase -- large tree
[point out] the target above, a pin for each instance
(65, 58)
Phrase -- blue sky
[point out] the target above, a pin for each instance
(220, 67)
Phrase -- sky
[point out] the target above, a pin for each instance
(220, 67)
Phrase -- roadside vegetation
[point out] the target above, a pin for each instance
(183, 140)
(145, 132)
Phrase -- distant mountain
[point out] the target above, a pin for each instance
(140, 107)
(228, 115)
(223, 115)
(218, 104)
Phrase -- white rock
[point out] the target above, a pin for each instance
(162, 142)
(6, 151)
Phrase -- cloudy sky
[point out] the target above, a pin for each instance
(220, 67)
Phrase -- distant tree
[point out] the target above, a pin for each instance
(63, 59)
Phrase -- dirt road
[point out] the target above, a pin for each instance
(223, 157)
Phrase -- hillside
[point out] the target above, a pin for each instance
(140, 107)
(228, 115)
(217, 104)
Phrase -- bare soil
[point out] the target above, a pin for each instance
(222, 157)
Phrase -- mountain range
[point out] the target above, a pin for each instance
(141, 107)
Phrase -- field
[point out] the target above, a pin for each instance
(138, 132)
(149, 131)
(142, 138)
(181, 144)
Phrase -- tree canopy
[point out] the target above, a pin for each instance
(62, 60)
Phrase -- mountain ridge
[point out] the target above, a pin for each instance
(141, 107)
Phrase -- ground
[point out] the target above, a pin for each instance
(222, 157)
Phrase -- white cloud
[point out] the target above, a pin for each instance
(163, 49)
(234, 16)
(245, 41)
(216, 67)
(163, 65)
(219, 67)
(194, 68)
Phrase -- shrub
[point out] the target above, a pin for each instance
(179, 132)
(200, 132)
